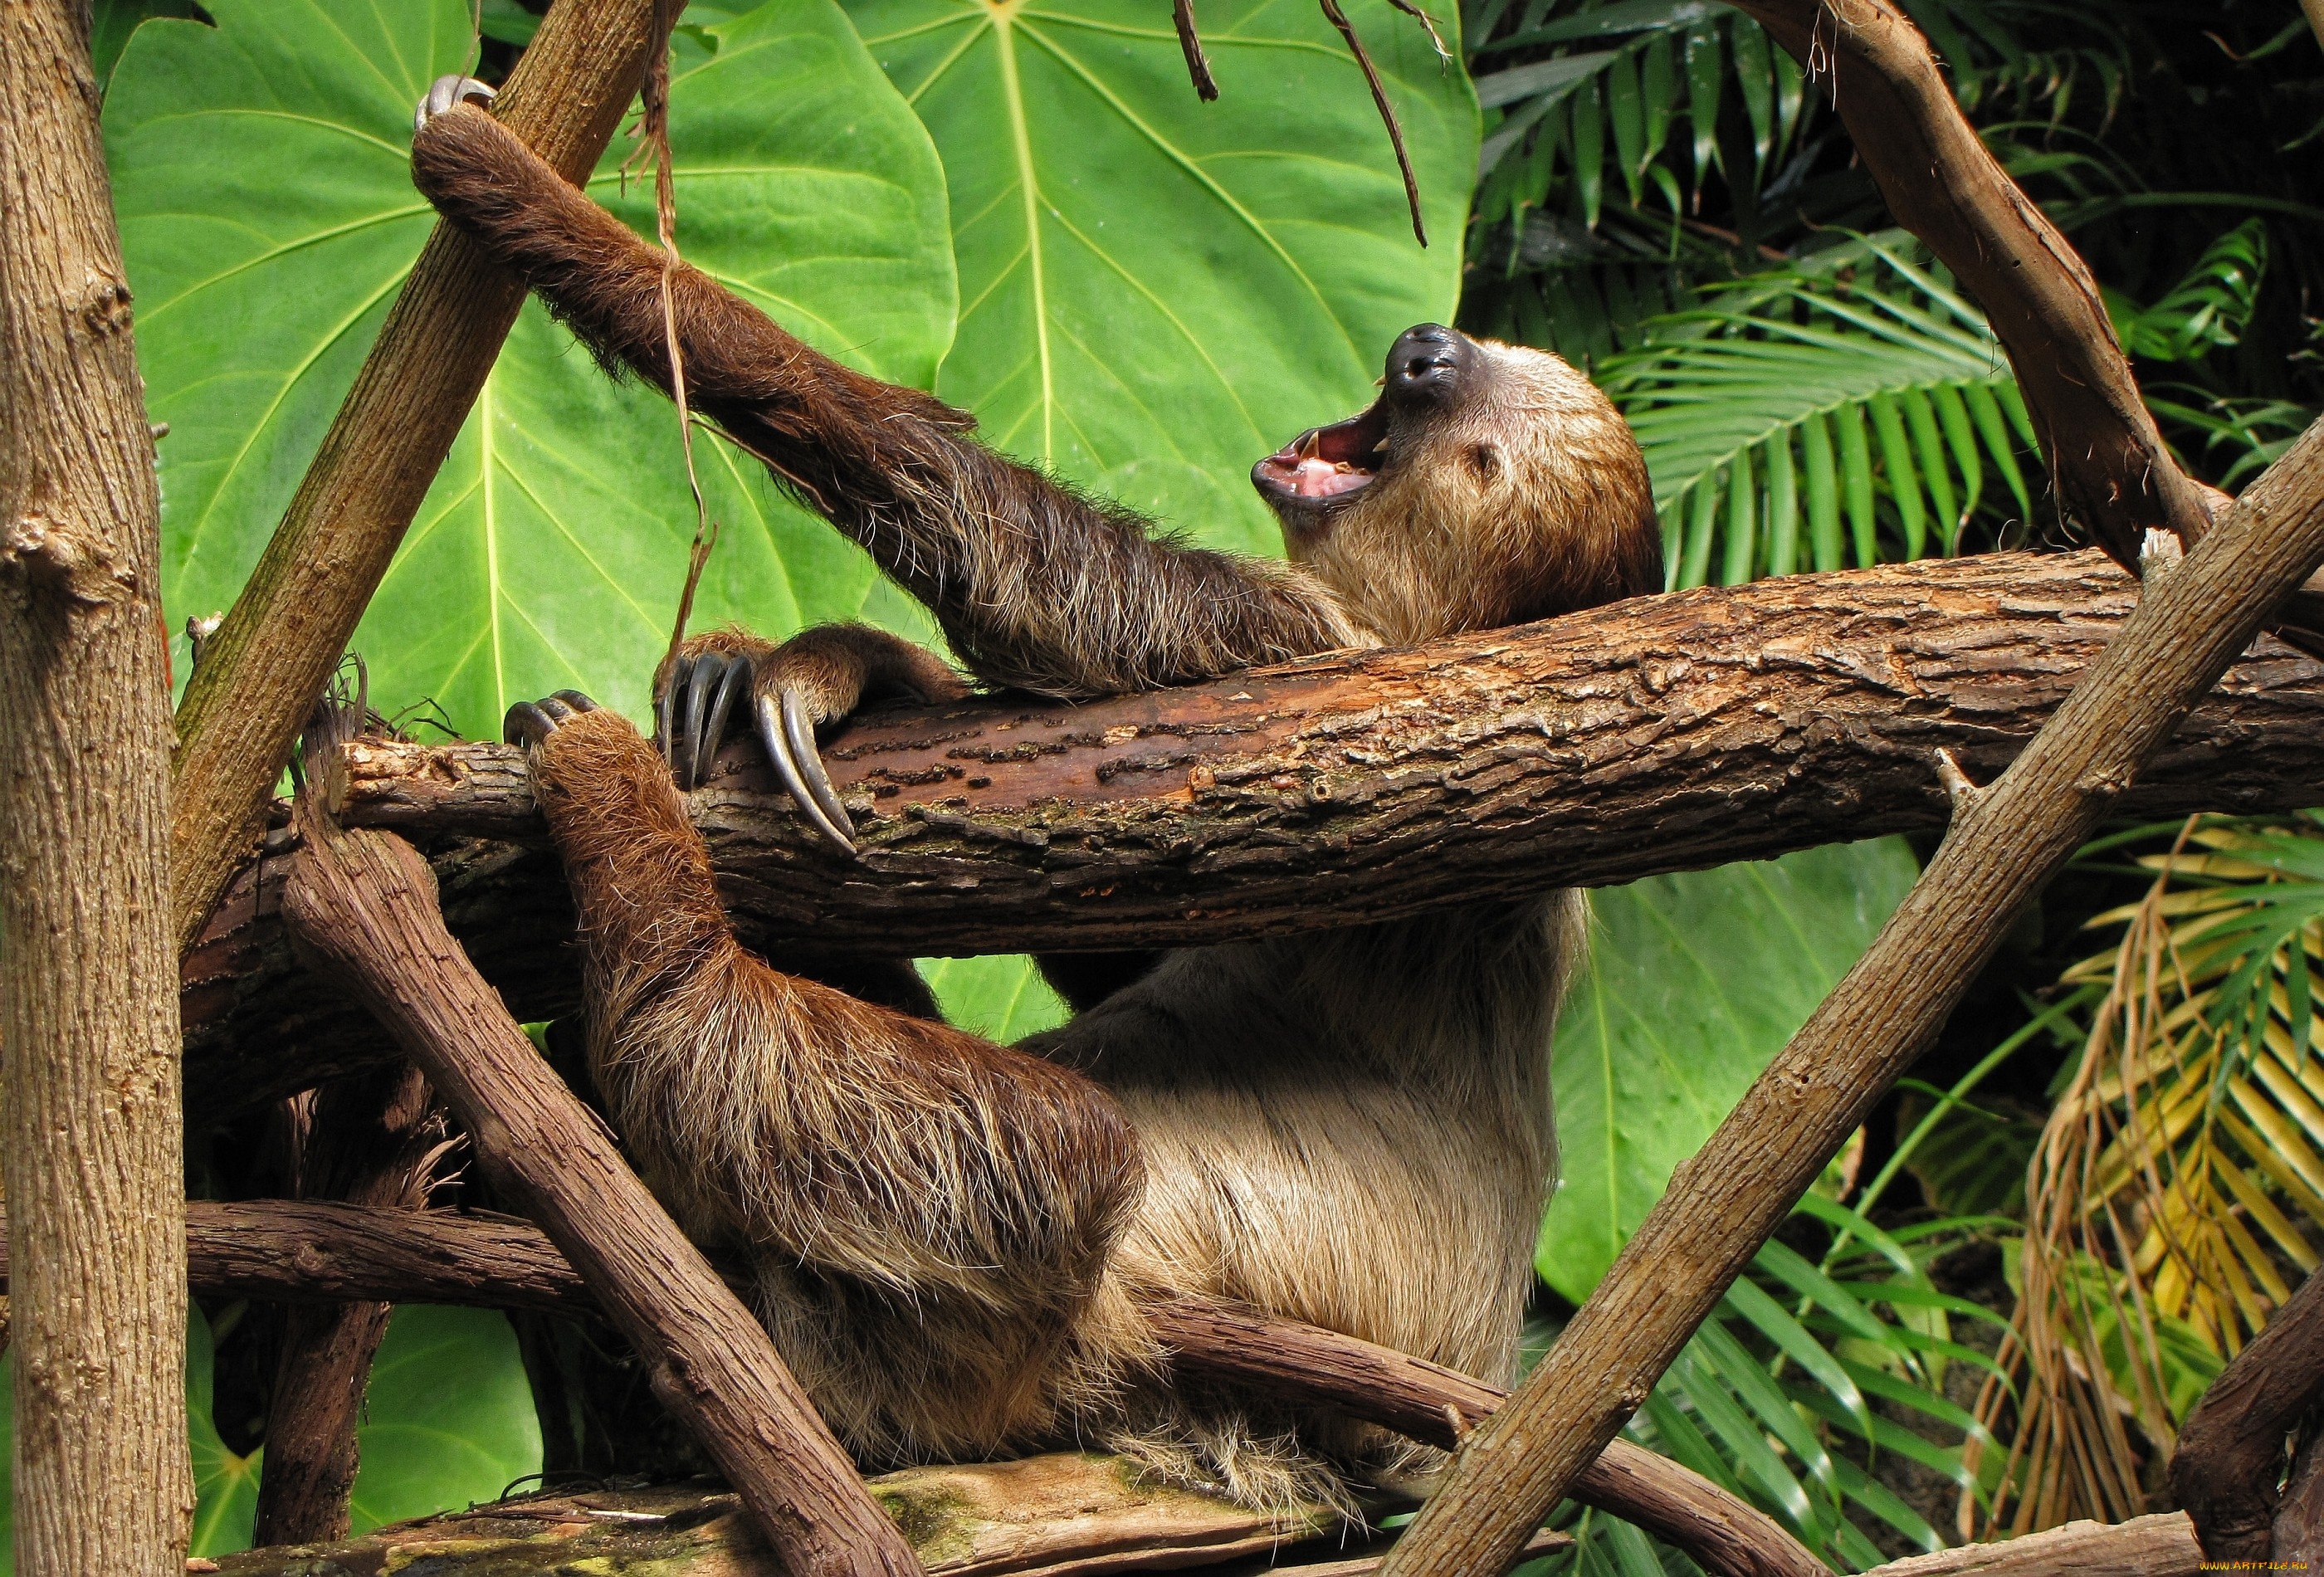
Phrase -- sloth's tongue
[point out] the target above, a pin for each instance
(1317, 477)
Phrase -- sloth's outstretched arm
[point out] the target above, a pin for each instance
(772, 1112)
(1036, 585)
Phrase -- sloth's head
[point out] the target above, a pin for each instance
(1488, 485)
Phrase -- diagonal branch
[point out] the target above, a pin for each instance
(2230, 1451)
(2193, 619)
(362, 904)
(262, 668)
(2113, 473)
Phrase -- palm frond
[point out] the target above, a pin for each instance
(1796, 1391)
(2177, 1194)
(1618, 80)
(2210, 307)
(1820, 414)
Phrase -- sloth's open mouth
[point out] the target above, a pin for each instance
(1326, 463)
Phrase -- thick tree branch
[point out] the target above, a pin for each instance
(362, 904)
(374, 1139)
(1661, 734)
(300, 1251)
(2230, 1451)
(2108, 462)
(262, 670)
(2002, 845)
(92, 1148)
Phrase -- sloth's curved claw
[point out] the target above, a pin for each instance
(689, 758)
(529, 722)
(447, 91)
(790, 741)
(713, 733)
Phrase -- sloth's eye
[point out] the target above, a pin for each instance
(1486, 461)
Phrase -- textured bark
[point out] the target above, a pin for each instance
(264, 667)
(2146, 1546)
(2004, 842)
(362, 904)
(292, 1250)
(2108, 465)
(1047, 1516)
(2230, 1451)
(92, 1149)
(1662, 734)
(1057, 1516)
(2298, 1543)
(370, 1139)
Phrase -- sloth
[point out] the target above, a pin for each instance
(953, 1241)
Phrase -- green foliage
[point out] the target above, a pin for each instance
(449, 1422)
(1156, 291)
(268, 217)
(1605, 103)
(1788, 1395)
(1844, 410)
(1803, 1381)
(1695, 982)
(2210, 307)
(1001, 999)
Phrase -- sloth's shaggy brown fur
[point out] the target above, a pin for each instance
(953, 1239)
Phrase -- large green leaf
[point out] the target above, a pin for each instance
(260, 172)
(1002, 999)
(1156, 292)
(449, 1418)
(1695, 982)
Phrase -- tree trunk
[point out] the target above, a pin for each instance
(88, 1010)
(1661, 734)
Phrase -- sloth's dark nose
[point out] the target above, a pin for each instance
(1424, 365)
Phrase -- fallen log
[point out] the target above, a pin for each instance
(300, 1251)
(1662, 734)
(2161, 1545)
(1065, 1515)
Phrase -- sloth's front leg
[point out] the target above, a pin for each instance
(766, 1108)
(812, 680)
